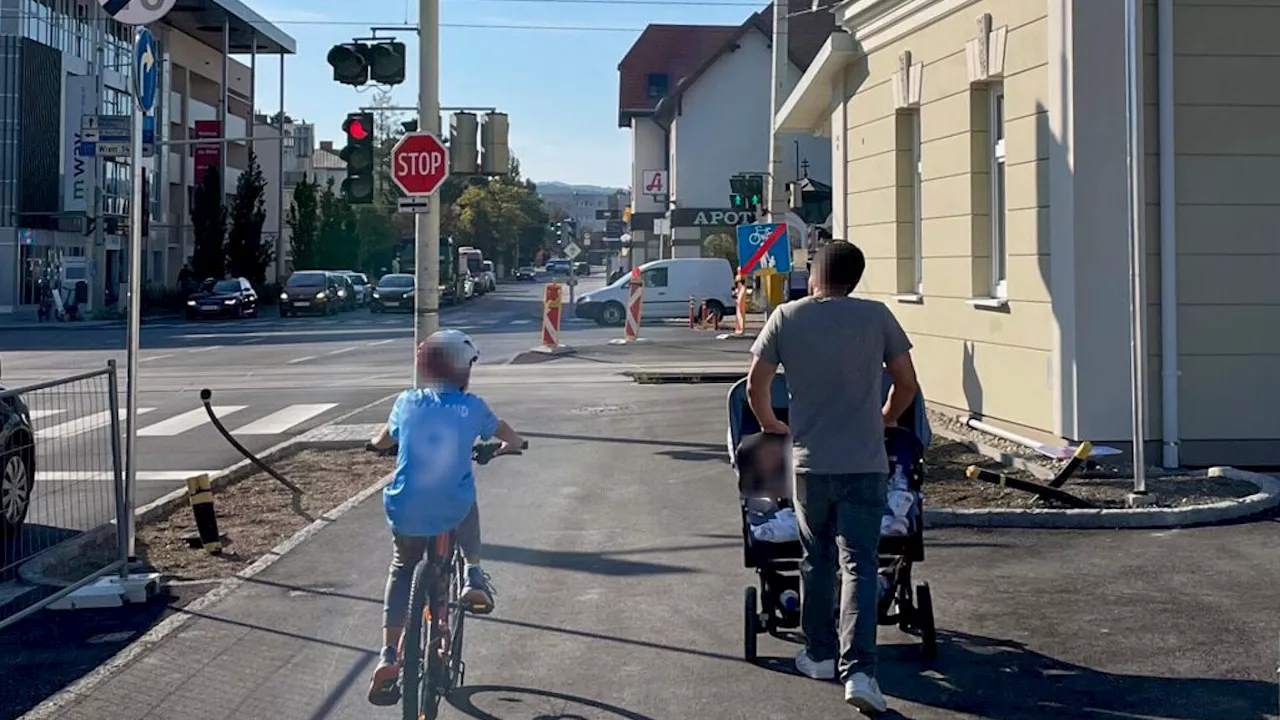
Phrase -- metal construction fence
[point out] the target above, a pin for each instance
(61, 481)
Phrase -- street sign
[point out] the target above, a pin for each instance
(572, 251)
(764, 245)
(412, 204)
(137, 12)
(146, 69)
(653, 182)
(105, 135)
(419, 164)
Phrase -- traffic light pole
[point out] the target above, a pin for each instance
(427, 225)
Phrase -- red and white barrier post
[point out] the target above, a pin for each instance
(740, 316)
(635, 300)
(552, 307)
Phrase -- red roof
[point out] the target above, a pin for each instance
(673, 50)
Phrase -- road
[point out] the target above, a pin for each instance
(614, 545)
(272, 378)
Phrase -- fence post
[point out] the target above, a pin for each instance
(124, 514)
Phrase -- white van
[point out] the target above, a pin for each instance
(668, 285)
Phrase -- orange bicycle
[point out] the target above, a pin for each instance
(431, 664)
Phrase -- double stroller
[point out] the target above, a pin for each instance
(770, 541)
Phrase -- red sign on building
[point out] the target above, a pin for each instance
(206, 155)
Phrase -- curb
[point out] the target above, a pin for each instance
(54, 706)
(1267, 498)
(32, 571)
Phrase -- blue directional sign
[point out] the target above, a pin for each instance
(763, 245)
(146, 69)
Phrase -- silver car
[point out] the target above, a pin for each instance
(360, 282)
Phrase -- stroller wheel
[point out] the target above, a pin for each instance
(924, 620)
(751, 626)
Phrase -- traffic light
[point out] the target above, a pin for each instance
(495, 154)
(357, 188)
(386, 62)
(462, 143)
(356, 63)
(349, 64)
(746, 192)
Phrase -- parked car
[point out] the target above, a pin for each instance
(224, 298)
(346, 291)
(361, 284)
(394, 292)
(559, 266)
(668, 285)
(489, 276)
(468, 286)
(581, 268)
(309, 291)
(17, 465)
(526, 274)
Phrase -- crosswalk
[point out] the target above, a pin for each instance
(474, 322)
(52, 424)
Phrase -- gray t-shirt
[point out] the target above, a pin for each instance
(834, 351)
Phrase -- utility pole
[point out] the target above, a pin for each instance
(427, 225)
(98, 280)
(776, 192)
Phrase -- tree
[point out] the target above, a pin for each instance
(491, 217)
(247, 255)
(304, 224)
(721, 245)
(209, 225)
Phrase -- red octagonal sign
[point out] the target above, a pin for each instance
(419, 164)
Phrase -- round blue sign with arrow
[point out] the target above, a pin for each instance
(146, 69)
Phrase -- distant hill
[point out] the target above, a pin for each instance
(559, 187)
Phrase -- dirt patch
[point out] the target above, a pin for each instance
(947, 486)
(254, 515)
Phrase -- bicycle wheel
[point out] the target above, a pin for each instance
(417, 636)
(457, 668)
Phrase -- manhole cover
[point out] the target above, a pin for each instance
(601, 410)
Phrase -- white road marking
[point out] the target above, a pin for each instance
(521, 322)
(186, 421)
(37, 414)
(84, 424)
(339, 351)
(205, 349)
(252, 340)
(280, 421)
(154, 357)
(301, 359)
(142, 475)
(382, 342)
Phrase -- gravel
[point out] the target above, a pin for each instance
(1107, 484)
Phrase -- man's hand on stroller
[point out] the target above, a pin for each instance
(775, 426)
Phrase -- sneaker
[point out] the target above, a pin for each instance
(384, 689)
(816, 669)
(477, 595)
(863, 692)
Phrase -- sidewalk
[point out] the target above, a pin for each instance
(617, 560)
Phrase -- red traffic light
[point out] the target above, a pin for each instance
(356, 129)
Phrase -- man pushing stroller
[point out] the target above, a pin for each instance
(835, 349)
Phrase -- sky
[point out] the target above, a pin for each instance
(551, 65)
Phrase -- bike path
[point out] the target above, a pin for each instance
(613, 546)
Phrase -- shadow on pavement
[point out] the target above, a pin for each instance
(579, 561)
(705, 447)
(1004, 680)
(540, 704)
(697, 455)
(586, 634)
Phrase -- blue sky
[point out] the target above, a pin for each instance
(559, 86)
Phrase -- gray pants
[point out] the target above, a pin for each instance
(841, 513)
(408, 550)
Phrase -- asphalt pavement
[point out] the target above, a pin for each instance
(614, 545)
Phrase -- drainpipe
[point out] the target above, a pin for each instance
(1168, 240)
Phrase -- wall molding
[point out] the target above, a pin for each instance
(984, 54)
(907, 83)
(877, 23)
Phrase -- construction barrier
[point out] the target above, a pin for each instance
(635, 299)
(740, 316)
(200, 493)
(552, 316)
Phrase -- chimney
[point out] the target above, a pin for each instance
(326, 145)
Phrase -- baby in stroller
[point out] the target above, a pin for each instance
(771, 532)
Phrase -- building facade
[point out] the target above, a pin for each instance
(699, 117)
(984, 152)
(65, 214)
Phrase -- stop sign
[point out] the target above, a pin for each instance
(419, 164)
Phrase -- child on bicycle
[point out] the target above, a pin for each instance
(433, 491)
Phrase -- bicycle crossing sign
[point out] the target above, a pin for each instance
(764, 245)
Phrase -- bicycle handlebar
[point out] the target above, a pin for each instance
(481, 453)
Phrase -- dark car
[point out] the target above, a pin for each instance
(394, 292)
(526, 274)
(17, 464)
(224, 298)
(309, 291)
(347, 299)
(582, 269)
(559, 266)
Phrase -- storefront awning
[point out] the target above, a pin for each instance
(808, 108)
(203, 19)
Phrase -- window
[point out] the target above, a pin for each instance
(999, 251)
(909, 255)
(657, 86)
(917, 219)
(655, 277)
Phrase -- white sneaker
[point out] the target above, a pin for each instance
(863, 692)
(816, 669)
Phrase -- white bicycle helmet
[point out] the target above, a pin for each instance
(460, 350)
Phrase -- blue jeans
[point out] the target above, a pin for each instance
(840, 517)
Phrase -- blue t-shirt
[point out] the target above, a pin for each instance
(433, 488)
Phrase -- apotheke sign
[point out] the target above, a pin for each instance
(711, 217)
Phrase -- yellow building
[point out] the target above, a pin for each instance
(984, 149)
